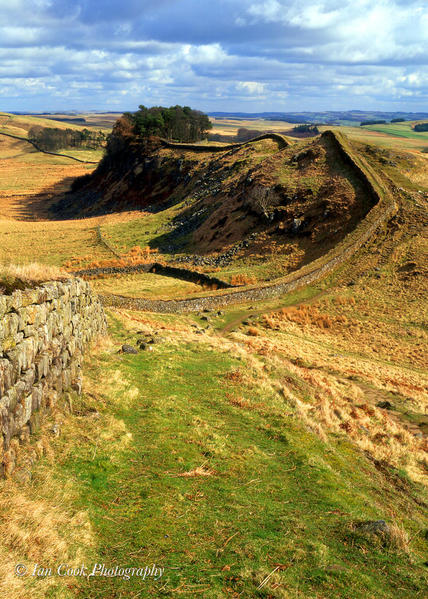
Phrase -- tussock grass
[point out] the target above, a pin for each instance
(33, 272)
(39, 521)
(22, 276)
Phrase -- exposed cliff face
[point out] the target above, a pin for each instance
(43, 334)
(137, 177)
(304, 193)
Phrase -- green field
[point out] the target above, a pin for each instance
(399, 130)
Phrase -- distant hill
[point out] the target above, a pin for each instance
(328, 117)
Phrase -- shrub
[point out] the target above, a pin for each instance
(242, 279)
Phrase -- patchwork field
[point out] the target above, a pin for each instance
(230, 126)
(397, 136)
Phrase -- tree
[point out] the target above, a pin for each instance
(180, 123)
(421, 127)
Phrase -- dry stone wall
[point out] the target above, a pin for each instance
(384, 208)
(282, 141)
(184, 274)
(43, 334)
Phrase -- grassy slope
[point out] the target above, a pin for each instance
(20, 124)
(220, 489)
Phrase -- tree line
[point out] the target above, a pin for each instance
(53, 139)
(179, 123)
(378, 122)
(307, 128)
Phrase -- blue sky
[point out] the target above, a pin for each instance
(232, 55)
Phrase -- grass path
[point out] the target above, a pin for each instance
(218, 483)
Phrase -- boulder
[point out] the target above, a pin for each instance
(129, 349)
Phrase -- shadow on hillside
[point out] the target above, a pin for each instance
(38, 206)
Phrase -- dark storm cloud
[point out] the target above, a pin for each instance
(228, 54)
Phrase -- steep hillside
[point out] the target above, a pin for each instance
(254, 199)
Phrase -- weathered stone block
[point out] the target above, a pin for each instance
(4, 305)
(22, 412)
(37, 397)
(16, 300)
(7, 375)
(34, 422)
(28, 378)
(8, 327)
(30, 296)
(42, 363)
(34, 314)
(66, 379)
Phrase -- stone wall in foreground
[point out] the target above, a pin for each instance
(43, 334)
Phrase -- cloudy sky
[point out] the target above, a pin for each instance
(232, 55)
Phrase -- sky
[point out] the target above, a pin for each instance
(214, 55)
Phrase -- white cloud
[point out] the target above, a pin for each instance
(261, 55)
(253, 88)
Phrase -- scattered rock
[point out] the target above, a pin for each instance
(296, 225)
(128, 349)
(373, 527)
(77, 386)
(385, 405)
(335, 568)
(364, 430)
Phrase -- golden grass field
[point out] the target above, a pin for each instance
(230, 126)
(19, 125)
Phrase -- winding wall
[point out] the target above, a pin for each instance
(282, 141)
(385, 206)
(184, 274)
(45, 151)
